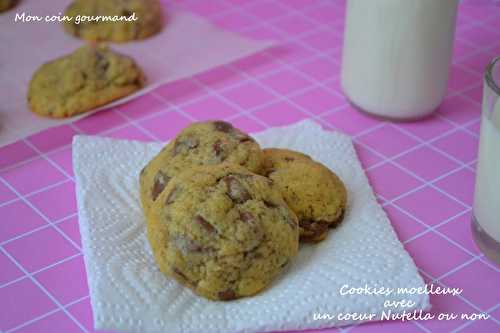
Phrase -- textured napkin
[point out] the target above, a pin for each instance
(129, 293)
(187, 45)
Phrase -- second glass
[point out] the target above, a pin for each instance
(486, 212)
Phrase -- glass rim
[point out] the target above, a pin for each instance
(490, 80)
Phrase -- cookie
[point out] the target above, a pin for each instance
(222, 231)
(7, 4)
(204, 143)
(147, 12)
(315, 194)
(279, 158)
(89, 77)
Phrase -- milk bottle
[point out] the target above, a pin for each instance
(396, 55)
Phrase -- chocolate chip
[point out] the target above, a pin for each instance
(247, 217)
(236, 191)
(289, 159)
(185, 143)
(313, 230)
(285, 263)
(293, 223)
(102, 66)
(217, 147)
(187, 245)
(223, 126)
(227, 295)
(183, 277)
(306, 223)
(138, 82)
(159, 182)
(257, 255)
(270, 204)
(178, 272)
(172, 196)
(191, 142)
(338, 220)
(269, 172)
(204, 224)
(241, 136)
(245, 138)
(102, 63)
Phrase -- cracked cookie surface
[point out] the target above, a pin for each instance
(89, 77)
(315, 194)
(148, 13)
(203, 143)
(222, 231)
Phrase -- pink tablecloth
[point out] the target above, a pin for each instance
(423, 172)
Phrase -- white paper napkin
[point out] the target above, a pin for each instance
(129, 293)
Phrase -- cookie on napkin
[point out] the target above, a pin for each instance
(129, 293)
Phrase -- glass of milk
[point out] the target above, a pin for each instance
(396, 55)
(486, 211)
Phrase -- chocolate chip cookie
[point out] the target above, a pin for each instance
(147, 13)
(222, 231)
(204, 143)
(315, 194)
(89, 77)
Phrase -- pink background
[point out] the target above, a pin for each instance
(422, 172)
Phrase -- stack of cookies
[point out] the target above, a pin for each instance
(225, 217)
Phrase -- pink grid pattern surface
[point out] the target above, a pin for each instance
(423, 172)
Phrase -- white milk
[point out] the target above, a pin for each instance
(396, 55)
(487, 196)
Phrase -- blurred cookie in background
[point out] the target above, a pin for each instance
(146, 19)
(7, 4)
(91, 76)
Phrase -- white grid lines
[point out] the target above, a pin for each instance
(291, 66)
